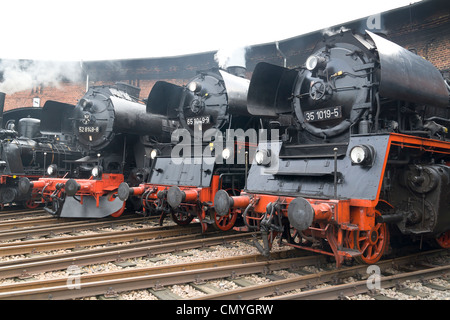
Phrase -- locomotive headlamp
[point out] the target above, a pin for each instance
(194, 87)
(314, 61)
(226, 153)
(362, 155)
(52, 170)
(86, 104)
(97, 171)
(154, 153)
(262, 157)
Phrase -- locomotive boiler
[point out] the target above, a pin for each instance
(186, 176)
(363, 153)
(113, 129)
(25, 152)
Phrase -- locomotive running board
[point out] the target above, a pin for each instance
(73, 208)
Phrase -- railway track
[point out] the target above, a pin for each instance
(48, 227)
(156, 279)
(79, 272)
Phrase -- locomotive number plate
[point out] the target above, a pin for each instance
(203, 120)
(91, 129)
(323, 114)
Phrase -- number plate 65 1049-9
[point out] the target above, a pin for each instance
(202, 120)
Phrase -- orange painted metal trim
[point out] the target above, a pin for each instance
(190, 194)
(108, 183)
(425, 144)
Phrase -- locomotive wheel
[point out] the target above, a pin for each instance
(31, 204)
(372, 244)
(225, 222)
(182, 218)
(119, 212)
(444, 240)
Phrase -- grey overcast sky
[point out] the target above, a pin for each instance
(74, 30)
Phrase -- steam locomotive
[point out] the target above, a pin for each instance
(363, 152)
(125, 140)
(204, 154)
(27, 153)
(114, 131)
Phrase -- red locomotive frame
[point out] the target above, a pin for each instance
(349, 227)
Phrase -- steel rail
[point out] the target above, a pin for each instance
(173, 275)
(158, 280)
(64, 227)
(114, 253)
(31, 222)
(15, 214)
(146, 233)
(152, 270)
(360, 287)
(281, 286)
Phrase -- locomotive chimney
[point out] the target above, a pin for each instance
(238, 71)
(2, 106)
(232, 60)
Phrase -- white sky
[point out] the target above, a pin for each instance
(102, 30)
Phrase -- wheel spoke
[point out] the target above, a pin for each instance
(371, 244)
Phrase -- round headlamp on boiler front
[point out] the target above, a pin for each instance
(97, 171)
(362, 155)
(314, 62)
(262, 157)
(52, 170)
(154, 153)
(194, 87)
(226, 153)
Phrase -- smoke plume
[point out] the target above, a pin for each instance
(19, 75)
(330, 32)
(231, 57)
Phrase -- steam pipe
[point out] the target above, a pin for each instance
(2, 106)
(282, 54)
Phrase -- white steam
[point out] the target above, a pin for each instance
(231, 57)
(331, 32)
(19, 75)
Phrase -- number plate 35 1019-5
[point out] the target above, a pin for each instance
(323, 114)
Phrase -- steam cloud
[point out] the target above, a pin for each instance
(19, 75)
(231, 57)
(330, 32)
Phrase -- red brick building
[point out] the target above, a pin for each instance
(423, 27)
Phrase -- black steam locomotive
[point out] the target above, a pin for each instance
(25, 152)
(114, 131)
(363, 150)
(207, 152)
